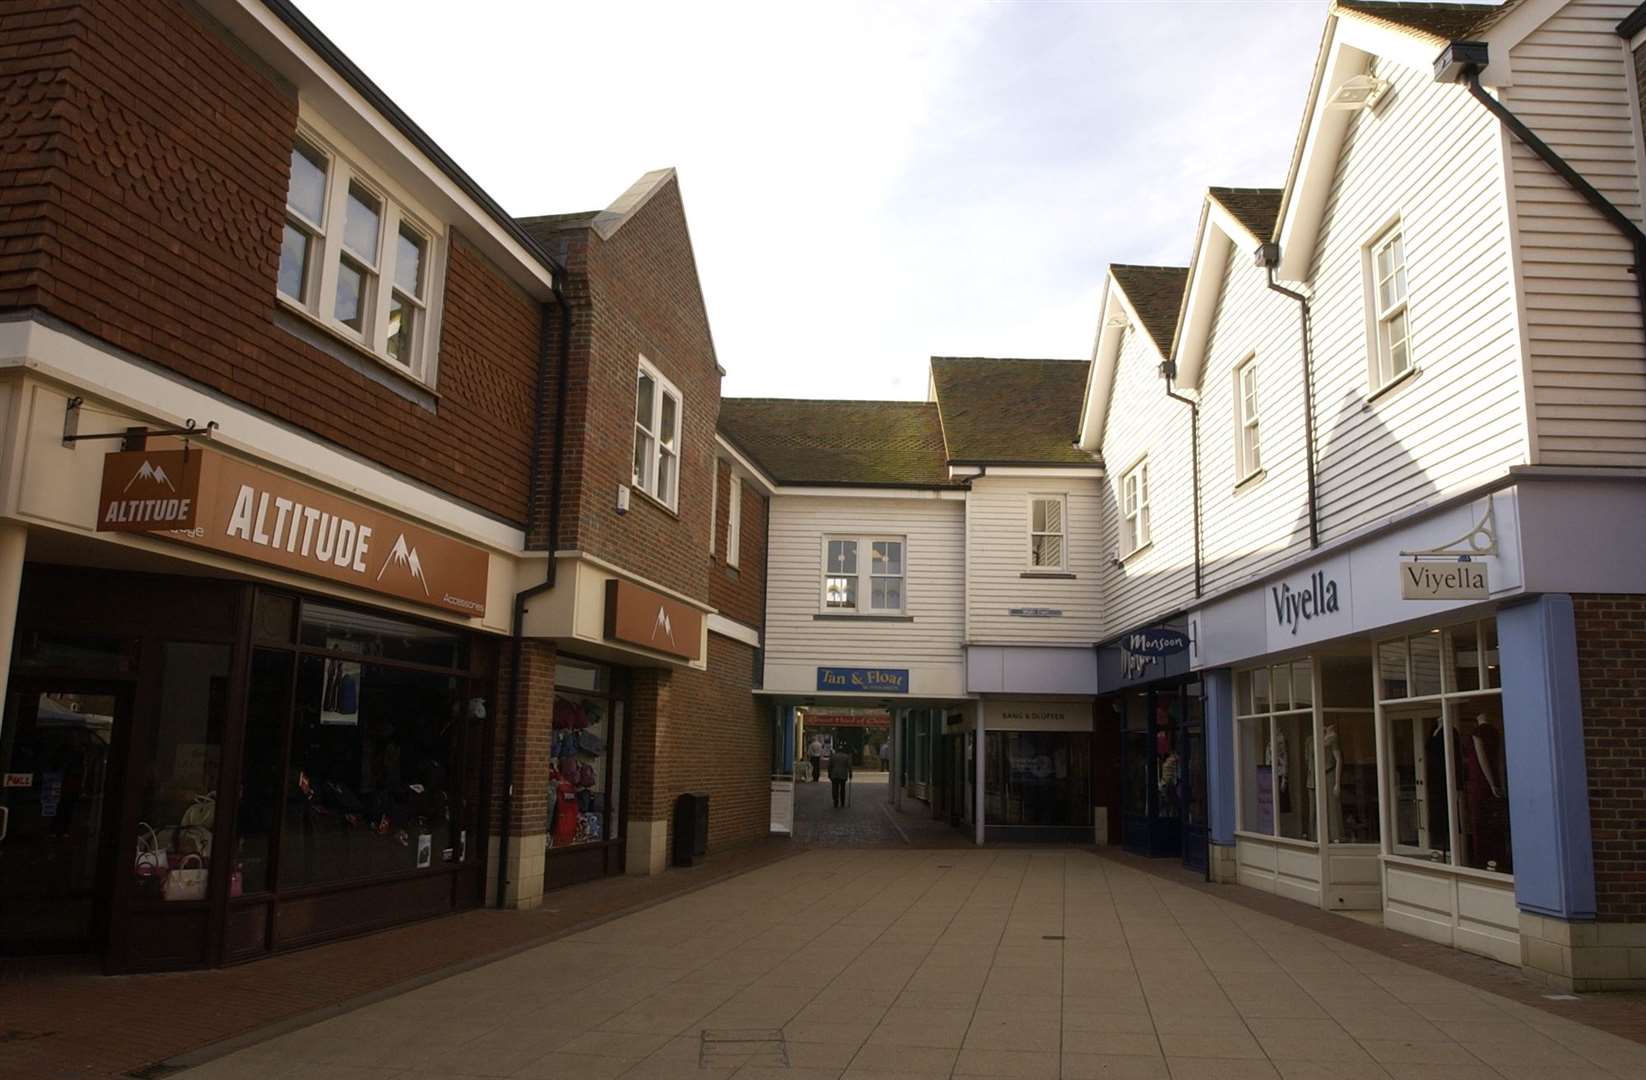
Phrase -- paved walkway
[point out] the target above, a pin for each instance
(964, 963)
(870, 820)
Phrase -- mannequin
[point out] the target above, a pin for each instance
(1487, 826)
(1333, 755)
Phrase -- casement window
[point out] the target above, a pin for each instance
(714, 506)
(734, 519)
(863, 574)
(657, 420)
(357, 260)
(1048, 536)
(1388, 272)
(1134, 508)
(1248, 451)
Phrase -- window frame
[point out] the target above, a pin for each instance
(1062, 532)
(714, 506)
(1380, 318)
(863, 575)
(327, 238)
(1248, 418)
(734, 520)
(661, 388)
(1136, 526)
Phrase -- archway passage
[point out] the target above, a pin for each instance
(853, 813)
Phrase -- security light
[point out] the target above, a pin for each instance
(1358, 92)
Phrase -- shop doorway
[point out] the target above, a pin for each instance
(1163, 774)
(57, 740)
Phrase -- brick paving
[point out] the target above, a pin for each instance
(71, 1024)
(868, 963)
(870, 820)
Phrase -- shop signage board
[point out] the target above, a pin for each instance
(1444, 581)
(1004, 714)
(253, 513)
(636, 615)
(1035, 612)
(873, 720)
(1144, 655)
(863, 680)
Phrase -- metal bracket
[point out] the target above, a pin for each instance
(1486, 530)
(133, 438)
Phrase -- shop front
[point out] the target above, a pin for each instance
(1153, 720)
(1037, 769)
(202, 767)
(1371, 763)
(584, 834)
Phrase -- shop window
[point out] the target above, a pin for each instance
(1136, 754)
(1278, 750)
(1348, 750)
(1448, 772)
(1256, 776)
(340, 629)
(177, 810)
(586, 746)
(369, 787)
(1037, 778)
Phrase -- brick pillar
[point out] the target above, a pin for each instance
(529, 807)
(649, 795)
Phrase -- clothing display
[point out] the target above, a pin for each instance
(581, 769)
(1485, 804)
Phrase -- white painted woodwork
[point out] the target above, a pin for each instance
(997, 557)
(1444, 906)
(1573, 81)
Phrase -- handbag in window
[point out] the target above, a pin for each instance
(590, 743)
(203, 813)
(151, 856)
(186, 882)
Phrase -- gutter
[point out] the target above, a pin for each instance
(1168, 371)
(1462, 61)
(1268, 256)
(533, 486)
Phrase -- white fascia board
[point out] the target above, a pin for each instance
(893, 494)
(1095, 403)
(731, 628)
(1105, 360)
(1218, 232)
(143, 390)
(1502, 38)
(1311, 181)
(277, 45)
(1046, 472)
(741, 465)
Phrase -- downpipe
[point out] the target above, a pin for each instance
(1268, 256)
(1168, 371)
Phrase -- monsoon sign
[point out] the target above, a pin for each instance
(856, 680)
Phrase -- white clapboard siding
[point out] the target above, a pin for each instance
(1258, 525)
(1572, 84)
(934, 587)
(1159, 579)
(1432, 158)
(997, 556)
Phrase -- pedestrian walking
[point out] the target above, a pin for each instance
(840, 775)
(814, 754)
(886, 755)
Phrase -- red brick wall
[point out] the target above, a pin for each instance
(738, 592)
(143, 170)
(1611, 655)
(637, 294)
(534, 735)
(704, 731)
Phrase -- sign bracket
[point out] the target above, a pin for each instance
(132, 438)
(1481, 541)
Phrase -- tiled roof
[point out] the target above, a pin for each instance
(1442, 22)
(1010, 411)
(867, 443)
(1255, 208)
(1156, 294)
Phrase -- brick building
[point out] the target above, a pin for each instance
(323, 489)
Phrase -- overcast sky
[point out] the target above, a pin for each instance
(868, 184)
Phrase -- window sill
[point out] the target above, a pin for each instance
(831, 616)
(1251, 481)
(654, 500)
(1393, 384)
(1053, 575)
(305, 327)
(1418, 863)
(1135, 552)
(1282, 841)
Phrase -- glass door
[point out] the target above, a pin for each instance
(56, 745)
(1192, 779)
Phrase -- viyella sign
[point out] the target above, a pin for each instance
(1444, 581)
(213, 501)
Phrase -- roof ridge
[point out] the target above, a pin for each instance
(831, 401)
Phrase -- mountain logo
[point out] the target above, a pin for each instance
(151, 473)
(664, 624)
(401, 555)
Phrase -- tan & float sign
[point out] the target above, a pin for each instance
(640, 616)
(210, 500)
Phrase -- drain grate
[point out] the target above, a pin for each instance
(733, 1048)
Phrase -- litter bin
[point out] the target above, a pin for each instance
(691, 827)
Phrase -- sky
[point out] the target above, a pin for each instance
(867, 184)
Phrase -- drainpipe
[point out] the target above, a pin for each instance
(1168, 371)
(533, 486)
(1462, 61)
(1268, 257)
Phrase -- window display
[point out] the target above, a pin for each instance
(1441, 701)
(1037, 778)
(585, 745)
(1275, 713)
